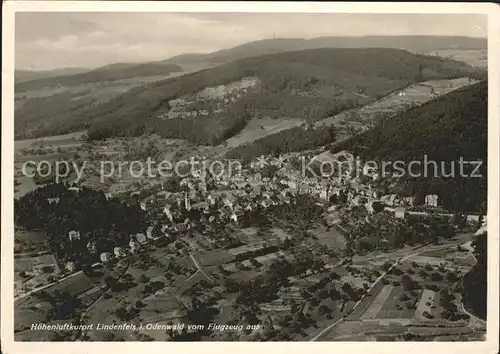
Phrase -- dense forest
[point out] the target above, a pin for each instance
(108, 222)
(447, 129)
(475, 289)
(310, 85)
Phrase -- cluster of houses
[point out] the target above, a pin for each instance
(234, 195)
(248, 190)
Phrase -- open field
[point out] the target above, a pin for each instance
(363, 331)
(30, 241)
(47, 140)
(376, 306)
(331, 238)
(34, 263)
(214, 258)
(394, 307)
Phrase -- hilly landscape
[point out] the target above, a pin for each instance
(270, 252)
(310, 84)
(65, 100)
(106, 73)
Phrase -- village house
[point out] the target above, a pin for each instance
(187, 202)
(74, 235)
(105, 257)
(389, 199)
(483, 229)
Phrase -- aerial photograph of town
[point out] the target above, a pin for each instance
(250, 177)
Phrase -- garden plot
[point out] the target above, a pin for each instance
(377, 303)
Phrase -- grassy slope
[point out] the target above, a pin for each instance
(272, 46)
(328, 77)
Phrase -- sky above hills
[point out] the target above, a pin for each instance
(47, 41)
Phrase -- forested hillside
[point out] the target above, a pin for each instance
(310, 85)
(108, 222)
(107, 73)
(447, 129)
